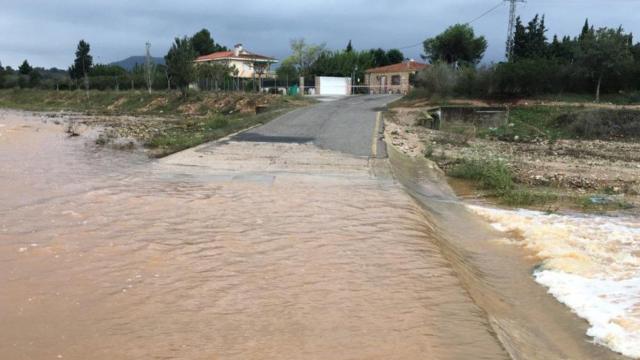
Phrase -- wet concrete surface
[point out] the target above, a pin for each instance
(345, 125)
(231, 250)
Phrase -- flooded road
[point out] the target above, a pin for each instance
(234, 250)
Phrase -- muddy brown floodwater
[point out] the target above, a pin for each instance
(232, 251)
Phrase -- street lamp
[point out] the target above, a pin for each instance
(353, 75)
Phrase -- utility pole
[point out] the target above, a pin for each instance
(512, 25)
(149, 67)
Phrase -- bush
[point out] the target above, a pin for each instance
(601, 124)
(529, 77)
(526, 77)
(438, 80)
(492, 175)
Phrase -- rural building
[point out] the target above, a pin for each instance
(392, 78)
(248, 64)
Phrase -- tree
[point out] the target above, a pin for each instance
(530, 42)
(82, 63)
(304, 55)
(349, 47)
(564, 51)
(380, 57)
(203, 43)
(395, 56)
(587, 33)
(287, 71)
(213, 73)
(3, 73)
(179, 62)
(604, 54)
(25, 68)
(34, 78)
(343, 64)
(457, 44)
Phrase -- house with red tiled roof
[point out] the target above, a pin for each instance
(392, 78)
(248, 65)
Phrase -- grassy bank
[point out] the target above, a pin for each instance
(158, 103)
(496, 178)
(551, 123)
(193, 132)
(544, 157)
(163, 122)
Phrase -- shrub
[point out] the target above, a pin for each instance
(438, 80)
(492, 175)
(601, 124)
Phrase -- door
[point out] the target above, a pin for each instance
(333, 85)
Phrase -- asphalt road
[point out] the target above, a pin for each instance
(344, 125)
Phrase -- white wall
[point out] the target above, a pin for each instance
(332, 85)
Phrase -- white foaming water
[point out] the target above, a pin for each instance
(590, 263)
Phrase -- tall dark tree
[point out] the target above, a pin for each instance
(203, 43)
(563, 51)
(587, 32)
(2, 75)
(349, 47)
(179, 61)
(457, 44)
(25, 68)
(82, 64)
(380, 57)
(530, 42)
(395, 56)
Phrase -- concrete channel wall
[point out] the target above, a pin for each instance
(457, 118)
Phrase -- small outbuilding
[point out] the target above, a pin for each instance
(393, 79)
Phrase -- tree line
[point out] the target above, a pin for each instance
(85, 74)
(179, 71)
(310, 60)
(596, 61)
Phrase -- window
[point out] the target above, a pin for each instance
(395, 80)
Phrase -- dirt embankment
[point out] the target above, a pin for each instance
(161, 122)
(160, 103)
(576, 167)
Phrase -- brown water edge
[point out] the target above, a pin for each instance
(529, 323)
(301, 254)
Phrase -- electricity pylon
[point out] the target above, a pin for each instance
(512, 25)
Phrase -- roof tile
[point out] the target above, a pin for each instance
(401, 67)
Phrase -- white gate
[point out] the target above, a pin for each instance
(327, 85)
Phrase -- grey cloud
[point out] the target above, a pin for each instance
(46, 32)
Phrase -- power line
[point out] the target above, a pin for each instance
(468, 23)
(485, 13)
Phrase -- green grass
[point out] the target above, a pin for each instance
(196, 132)
(618, 99)
(530, 123)
(496, 177)
(596, 203)
(491, 175)
(527, 197)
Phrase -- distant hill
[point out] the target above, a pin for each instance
(130, 62)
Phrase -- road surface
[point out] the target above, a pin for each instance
(345, 125)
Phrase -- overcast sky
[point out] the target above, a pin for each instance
(46, 32)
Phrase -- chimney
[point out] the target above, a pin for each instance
(237, 49)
